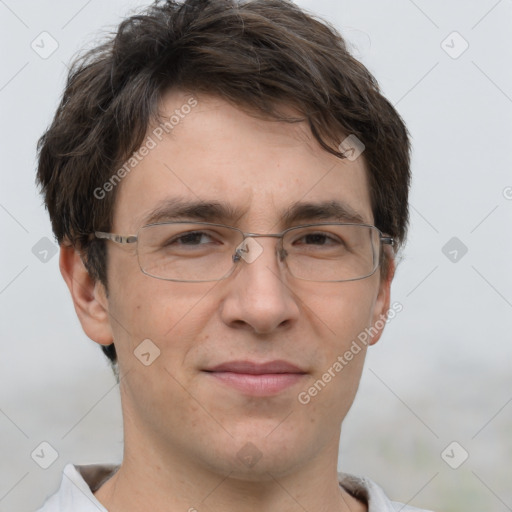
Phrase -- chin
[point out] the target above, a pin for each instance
(260, 452)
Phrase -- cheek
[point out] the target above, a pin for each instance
(339, 315)
(169, 314)
(172, 316)
(340, 311)
(163, 313)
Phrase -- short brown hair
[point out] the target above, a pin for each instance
(257, 54)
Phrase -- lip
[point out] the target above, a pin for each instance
(257, 379)
(254, 368)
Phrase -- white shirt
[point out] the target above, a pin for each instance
(80, 482)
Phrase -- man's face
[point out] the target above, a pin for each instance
(174, 407)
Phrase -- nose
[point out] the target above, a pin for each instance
(258, 296)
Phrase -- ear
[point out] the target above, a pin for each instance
(382, 302)
(89, 296)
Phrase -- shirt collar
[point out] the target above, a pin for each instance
(80, 482)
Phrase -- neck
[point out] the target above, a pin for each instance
(162, 473)
(147, 480)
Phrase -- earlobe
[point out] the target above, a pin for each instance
(89, 297)
(382, 303)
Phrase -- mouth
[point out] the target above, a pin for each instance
(257, 379)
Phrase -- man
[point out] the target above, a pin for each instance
(228, 188)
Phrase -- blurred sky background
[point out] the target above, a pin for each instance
(442, 371)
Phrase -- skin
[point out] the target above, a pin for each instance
(183, 429)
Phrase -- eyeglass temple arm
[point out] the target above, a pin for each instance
(387, 240)
(118, 239)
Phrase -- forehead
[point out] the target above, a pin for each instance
(258, 173)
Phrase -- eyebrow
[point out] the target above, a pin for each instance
(224, 213)
(323, 210)
(181, 209)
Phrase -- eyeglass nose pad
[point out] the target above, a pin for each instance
(237, 256)
(240, 250)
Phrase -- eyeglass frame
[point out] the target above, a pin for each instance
(130, 239)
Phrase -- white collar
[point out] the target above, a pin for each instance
(80, 482)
